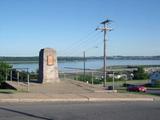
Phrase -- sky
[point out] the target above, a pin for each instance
(68, 26)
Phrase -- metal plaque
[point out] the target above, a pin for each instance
(50, 60)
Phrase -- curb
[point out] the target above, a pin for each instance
(40, 100)
(105, 91)
(18, 100)
(120, 99)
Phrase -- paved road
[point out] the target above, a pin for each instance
(81, 111)
(154, 92)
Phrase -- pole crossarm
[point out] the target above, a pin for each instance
(104, 29)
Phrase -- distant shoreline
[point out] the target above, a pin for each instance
(35, 59)
(22, 62)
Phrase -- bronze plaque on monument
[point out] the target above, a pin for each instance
(50, 60)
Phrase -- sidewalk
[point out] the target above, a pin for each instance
(70, 91)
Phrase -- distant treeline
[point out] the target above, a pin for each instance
(135, 57)
(19, 58)
(66, 58)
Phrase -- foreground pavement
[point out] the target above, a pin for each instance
(69, 91)
(81, 111)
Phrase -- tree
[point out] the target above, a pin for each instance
(140, 74)
(4, 67)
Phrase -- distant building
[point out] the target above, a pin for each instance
(154, 77)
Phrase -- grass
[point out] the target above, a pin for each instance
(7, 91)
(154, 88)
(136, 93)
(124, 90)
(119, 84)
(143, 93)
(137, 81)
(10, 91)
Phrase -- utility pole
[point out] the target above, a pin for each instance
(18, 78)
(113, 81)
(104, 29)
(11, 75)
(84, 65)
(28, 78)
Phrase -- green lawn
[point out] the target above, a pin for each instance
(120, 83)
(7, 91)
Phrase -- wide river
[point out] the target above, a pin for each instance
(90, 64)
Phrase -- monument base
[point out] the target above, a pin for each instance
(48, 67)
(51, 81)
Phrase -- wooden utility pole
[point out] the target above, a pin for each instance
(104, 29)
(84, 65)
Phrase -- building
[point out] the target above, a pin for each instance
(155, 78)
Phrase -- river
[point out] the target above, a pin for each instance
(90, 64)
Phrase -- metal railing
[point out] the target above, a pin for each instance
(19, 75)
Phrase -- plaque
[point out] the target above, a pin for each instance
(50, 60)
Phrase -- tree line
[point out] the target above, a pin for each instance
(67, 58)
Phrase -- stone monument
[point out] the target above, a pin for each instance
(48, 67)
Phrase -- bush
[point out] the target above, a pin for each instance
(4, 67)
(157, 83)
(140, 74)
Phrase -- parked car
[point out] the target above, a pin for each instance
(136, 88)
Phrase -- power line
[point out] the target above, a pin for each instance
(77, 42)
(79, 45)
(90, 46)
(83, 47)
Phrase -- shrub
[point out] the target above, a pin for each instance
(140, 74)
(4, 67)
(157, 83)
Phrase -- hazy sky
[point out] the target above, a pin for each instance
(69, 26)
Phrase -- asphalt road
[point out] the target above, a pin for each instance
(154, 92)
(81, 111)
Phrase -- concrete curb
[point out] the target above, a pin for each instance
(105, 91)
(120, 99)
(18, 100)
(41, 100)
